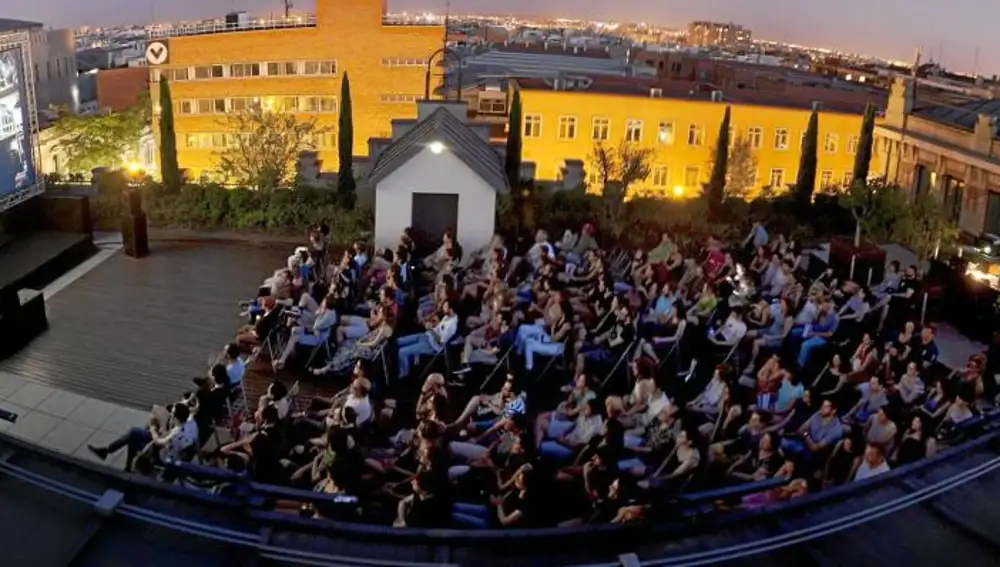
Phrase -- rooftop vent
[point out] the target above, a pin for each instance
(716, 96)
(655, 92)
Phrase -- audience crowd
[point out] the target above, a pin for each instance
(559, 383)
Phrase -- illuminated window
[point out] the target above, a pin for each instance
(830, 143)
(781, 140)
(665, 133)
(185, 107)
(600, 129)
(777, 178)
(319, 104)
(633, 130)
(848, 178)
(282, 68)
(327, 67)
(755, 135)
(244, 70)
(532, 126)
(208, 72)
(696, 136)
(567, 127)
(661, 176)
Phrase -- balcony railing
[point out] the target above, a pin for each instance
(229, 27)
(205, 28)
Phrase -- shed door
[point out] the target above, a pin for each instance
(433, 215)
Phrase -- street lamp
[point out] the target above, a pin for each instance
(444, 53)
(436, 147)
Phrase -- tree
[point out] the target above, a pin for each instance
(513, 157)
(863, 156)
(806, 182)
(345, 145)
(263, 147)
(169, 169)
(741, 175)
(619, 167)
(717, 184)
(98, 140)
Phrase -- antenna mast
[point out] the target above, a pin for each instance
(288, 8)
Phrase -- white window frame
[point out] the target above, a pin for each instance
(780, 171)
(830, 142)
(853, 143)
(535, 121)
(600, 129)
(661, 176)
(697, 176)
(755, 135)
(567, 127)
(696, 136)
(826, 179)
(633, 130)
(666, 134)
(781, 134)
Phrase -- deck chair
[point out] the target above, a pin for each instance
(561, 358)
(629, 351)
(456, 341)
(380, 357)
(325, 338)
(673, 351)
(503, 362)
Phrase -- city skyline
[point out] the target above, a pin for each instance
(885, 28)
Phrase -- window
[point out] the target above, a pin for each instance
(244, 70)
(848, 178)
(781, 140)
(58, 67)
(852, 144)
(567, 127)
(205, 106)
(830, 143)
(282, 68)
(633, 130)
(185, 107)
(287, 103)
(665, 133)
(219, 140)
(492, 105)
(191, 141)
(600, 130)
(661, 176)
(322, 140)
(238, 104)
(319, 104)
(175, 74)
(532, 126)
(400, 98)
(692, 174)
(777, 179)
(208, 72)
(755, 135)
(826, 179)
(695, 136)
(320, 68)
(404, 62)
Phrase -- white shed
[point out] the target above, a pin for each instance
(437, 176)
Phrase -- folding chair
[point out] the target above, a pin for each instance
(504, 361)
(674, 350)
(380, 356)
(629, 350)
(324, 345)
(561, 358)
(457, 340)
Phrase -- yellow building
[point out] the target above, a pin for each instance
(297, 65)
(563, 121)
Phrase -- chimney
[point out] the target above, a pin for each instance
(985, 132)
(716, 96)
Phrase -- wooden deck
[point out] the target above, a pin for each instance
(135, 332)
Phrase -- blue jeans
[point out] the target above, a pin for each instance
(807, 347)
(411, 348)
(476, 516)
(133, 442)
(556, 452)
(540, 346)
(527, 332)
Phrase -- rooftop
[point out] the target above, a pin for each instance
(221, 26)
(961, 115)
(555, 49)
(9, 25)
(793, 97)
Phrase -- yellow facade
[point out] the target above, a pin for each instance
(679, 167)
(385, 62)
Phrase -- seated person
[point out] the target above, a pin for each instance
(873, 397)
(563, 440)
(483, 411)
(873, 464)
(430, 342)
(655, 445)
(365, 348)
(818, 435)
(731, 332)
(677, 468)
(611, 345)
(312, 336)
(162, 441)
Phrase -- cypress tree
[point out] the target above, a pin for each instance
(717, 185)
(513, 157)
(806, 182)
(863, 157)
(345, 146)
(169, 170)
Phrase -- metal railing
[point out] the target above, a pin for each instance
(226, 27)
(251, 539)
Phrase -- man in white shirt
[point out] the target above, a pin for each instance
(732, 331)
(171, 446)
(541, 249)
(431, 342)
(873, 464)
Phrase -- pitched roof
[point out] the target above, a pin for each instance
(9, 25)
(442, 126)
(962, 115)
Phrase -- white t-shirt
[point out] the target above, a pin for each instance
(361, 406)
(585, 429)
(733, 330)
(654, 406)
(446, 329)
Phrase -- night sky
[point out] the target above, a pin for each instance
(950, 31)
